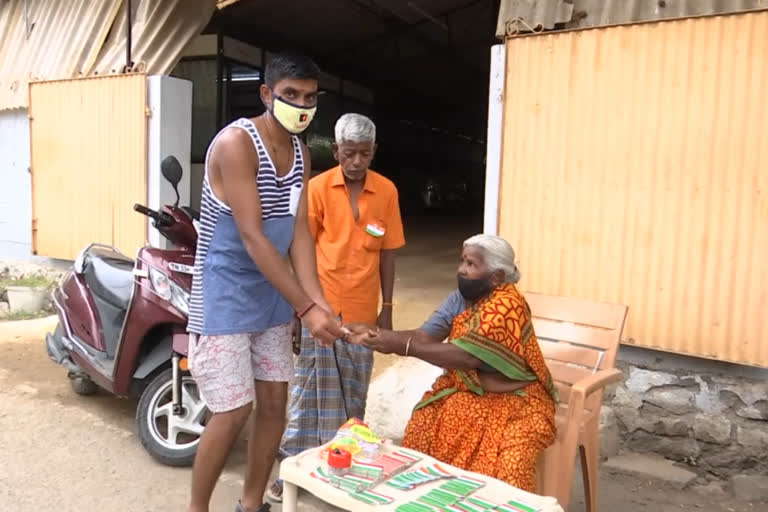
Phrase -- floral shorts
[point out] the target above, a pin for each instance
(225, 366)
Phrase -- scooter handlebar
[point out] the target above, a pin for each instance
(161, 219)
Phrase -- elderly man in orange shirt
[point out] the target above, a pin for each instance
(354, 217)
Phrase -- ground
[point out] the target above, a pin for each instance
(66, 453)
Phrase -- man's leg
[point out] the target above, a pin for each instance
(222, 369)
(272, 362)
(264, 441)
(215, 444)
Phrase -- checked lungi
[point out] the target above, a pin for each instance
(329, 387)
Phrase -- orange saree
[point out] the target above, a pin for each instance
(497, 434)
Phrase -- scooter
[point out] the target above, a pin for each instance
(122, 327)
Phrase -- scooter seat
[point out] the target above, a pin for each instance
(109, 275)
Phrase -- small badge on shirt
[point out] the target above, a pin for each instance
(375, 230)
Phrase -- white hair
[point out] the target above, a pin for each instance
(498, 255)
(355, 128)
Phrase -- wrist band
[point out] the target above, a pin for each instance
(385, 304)
(304, 311)
(408, 345)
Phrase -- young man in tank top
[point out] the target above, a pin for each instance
(244, 294)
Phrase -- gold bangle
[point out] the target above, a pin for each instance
(385, 304)
(408, 345)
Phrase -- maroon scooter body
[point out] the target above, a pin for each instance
(84, 336)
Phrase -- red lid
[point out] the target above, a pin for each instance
(339, 458)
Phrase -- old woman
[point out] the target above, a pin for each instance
(493, 409)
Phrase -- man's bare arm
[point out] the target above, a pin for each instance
(236, 162)
(387, 274)
(303, 246)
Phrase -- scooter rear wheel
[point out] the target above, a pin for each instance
(171, 439)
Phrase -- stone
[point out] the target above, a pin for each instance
(676, 448)
(624, 398)
(640, 380)
(610, 438)
(727, 460)
(712, 429)
(650, 466)
(5, 309)
(748, 392)
(675, 400)
(708, 399)
(666, 426)
(750, 487)
(753, 437)
(394, 393)
(711, 489)
(629, 418)
(756, 411)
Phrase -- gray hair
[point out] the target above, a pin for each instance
(355, 128)
(498, 255)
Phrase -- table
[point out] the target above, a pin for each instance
(296, 472)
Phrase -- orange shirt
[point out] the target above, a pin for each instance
(348, 250)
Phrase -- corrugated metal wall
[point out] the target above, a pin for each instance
(89, 164)
(635, 170)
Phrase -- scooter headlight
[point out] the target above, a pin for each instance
(160, 283)
(169, 290)
(179, 298)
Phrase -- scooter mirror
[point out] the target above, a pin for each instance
(172, 172)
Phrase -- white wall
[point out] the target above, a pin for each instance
(169, 134)
(15, 189)
(198, 171)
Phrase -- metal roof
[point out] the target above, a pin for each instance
(53, 39)
(517, 16)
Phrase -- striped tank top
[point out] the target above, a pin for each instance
(230, 295)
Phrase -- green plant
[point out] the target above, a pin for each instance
(34, 281)
(24, 315)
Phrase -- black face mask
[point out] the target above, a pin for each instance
(473, 289)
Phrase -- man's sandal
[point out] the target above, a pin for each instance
(275, 493)
(266, 507)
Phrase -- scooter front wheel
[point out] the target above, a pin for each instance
(171, 439)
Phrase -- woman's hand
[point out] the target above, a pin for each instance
(383, 342)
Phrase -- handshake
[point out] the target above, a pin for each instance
(325, 327)
(360, 334)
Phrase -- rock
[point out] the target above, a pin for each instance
(610, 439)
(675, 400)
(756, 411)
(629, 417)
(5, 309)
(640, 381)
(653, 467)
(750, 487)
(712, 429)
(394, 393)
(708, 399)
(666, 426)
(711, 489)
(676, 448)
(727, 461)
(749, 392)
(753, 437)
(624, 398)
